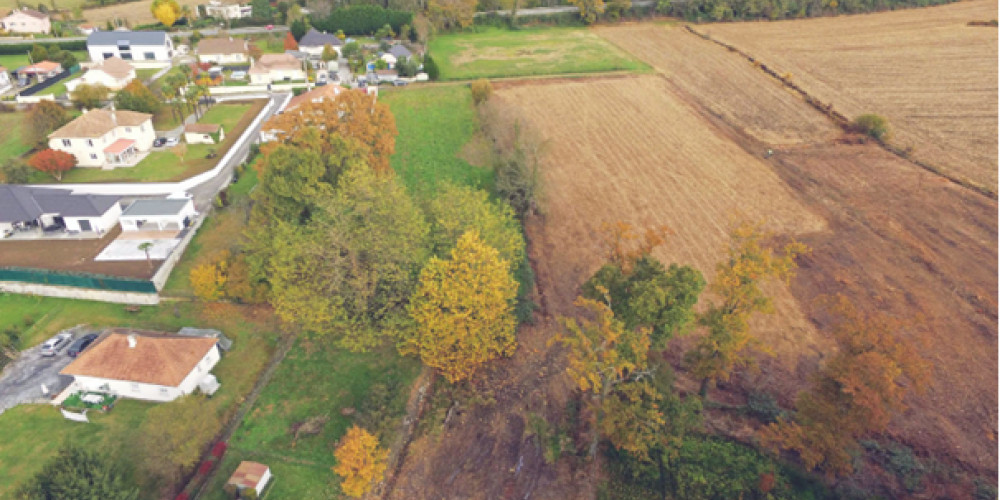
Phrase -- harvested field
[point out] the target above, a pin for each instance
(135, 12)
(725, 83)
(71, 255)
(933, 76)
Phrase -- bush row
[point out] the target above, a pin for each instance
(23, 48)
(363, 20)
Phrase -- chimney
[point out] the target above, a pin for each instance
(132, 339)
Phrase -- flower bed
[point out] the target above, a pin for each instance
(76, 402)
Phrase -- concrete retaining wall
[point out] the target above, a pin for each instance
(68, 292)
(163, 273)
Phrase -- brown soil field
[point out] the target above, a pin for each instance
(933, 76)
(71, 255)
(135, 12)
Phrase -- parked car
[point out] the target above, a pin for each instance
(80, 344)
(159, 142)
(238, 75)
(55, 344)
(399, 83)
(171, 142)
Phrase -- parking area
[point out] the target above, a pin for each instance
(22, 380)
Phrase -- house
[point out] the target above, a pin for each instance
(313, 42)
(396, 53)
(87, 29)
(233, 51)
(158, 215)
(114, 73)
(29, 208)
(105, 138)
(386, 75)
(130, 45)
(203, 133)
(26, 20)
(272, 68)
(250, 475)
(40, 71)
(145, 365)
(227, 10)
(318, 94)
(5, 81)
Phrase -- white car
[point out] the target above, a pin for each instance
(171, 142)
(238, 75)
(55, 344)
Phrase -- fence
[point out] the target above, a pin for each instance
(34, 89)
(75, 280)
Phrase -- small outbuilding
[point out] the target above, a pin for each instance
(158, 215)
(250, 475)
(203, 133)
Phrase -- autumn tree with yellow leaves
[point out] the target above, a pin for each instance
(361, 462)
(208, 280)
(727, 345)
(463, 309)
(166, 11)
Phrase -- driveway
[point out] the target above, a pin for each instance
(21, 381)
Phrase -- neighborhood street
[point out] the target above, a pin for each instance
(21, 381)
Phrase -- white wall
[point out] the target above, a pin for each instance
(138, 52)
(72, 292)
(93, 77)
(277, 76)
(101, 224)
(238, 58)
(19, 22)
(90, 152)
(190, 383)
(198, 138)
(151, 392)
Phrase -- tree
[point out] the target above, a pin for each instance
(590, 10)
(481, 89)
(261, 9)
(15, 171)
(456, 209)
(602, 354)
(171, 439)
(78, 473)
(854, 394)
(290, 43)
(86, 96)
(166, 11)
(872, 125)
(351, 50)
(298, 27)
(180, 151)
(145, 247)
(463, 309)
(38, 53)
(727, 344)
(329, 54)
(354, 116)
(43, 118)
(53, 162)
(448, 15)
(137, 97)
(208, 280)
(254, 51)
(361, 462)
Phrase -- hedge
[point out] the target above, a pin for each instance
(22, 48)
(363, 20)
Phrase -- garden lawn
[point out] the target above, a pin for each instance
(318, 380)
(12, 144)
(34, 433)
(495, 53)
(434, 123)
(60, 88)
(14, 61)
(145, 74)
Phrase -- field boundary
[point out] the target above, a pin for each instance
(839, 119)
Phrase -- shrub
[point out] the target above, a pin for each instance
(231, 490)
(872, 125)
(764, 407)
(482, 89)
(431, 68)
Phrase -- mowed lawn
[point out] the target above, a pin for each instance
(34, 433)
(434, 123)
(12, 143)
(14, 61)
(495, 53)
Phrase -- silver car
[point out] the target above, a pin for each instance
(55, 344)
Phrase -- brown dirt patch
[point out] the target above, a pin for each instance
(71, 255)
(135, 12)
(933, 76)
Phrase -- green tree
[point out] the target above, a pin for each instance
(351, 50)
(727, 344)
(590, 10)
(456, 209)
(173, 435)
(298, 28)
(464, 310)
(329, 54)
(872, 125)
(137, 97)
(44, 118)
(78, 473)
(261, 9)
(88, 96)
(38, 53)
(15, 171)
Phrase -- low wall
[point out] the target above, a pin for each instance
(163, 273)
(34, 99)
(67, 292)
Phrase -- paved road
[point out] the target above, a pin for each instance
(21, 381)
(544, 11)
(177, 34)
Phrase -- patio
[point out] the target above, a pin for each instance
(122, 153)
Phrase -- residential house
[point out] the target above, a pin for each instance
(224, 51)
(227, 10)
(30, 208)
(5, 81)
(316, 95)
(114, 73)
(25, 20)
(145, 365)
(251, 475)
(87, 29)
(158, 215)
(203, 133)
(396, 53)
(130, 45)
(275, 68)
(40, 71)
(385, 75)
(313, 42)
(105, 138)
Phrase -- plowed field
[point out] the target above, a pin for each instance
(933, 76)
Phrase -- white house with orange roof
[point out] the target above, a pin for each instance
(114, 73)
(25, 20)
(105, 138)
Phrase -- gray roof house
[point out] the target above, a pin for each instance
(171, 214)
(400, 51)
(130, 45)
(24, 208)
(313, 42)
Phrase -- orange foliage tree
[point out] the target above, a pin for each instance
(855, 394)
(360, 461)
(353, 116)
(208, 280)
(53, 162)
(290, 43)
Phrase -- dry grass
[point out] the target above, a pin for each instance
(724, 83)
(135, 12)
(933, 76)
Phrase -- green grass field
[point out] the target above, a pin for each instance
(11, 141)
(434, 124)
(14, 61)
(495, 53)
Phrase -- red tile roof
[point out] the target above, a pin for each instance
(159, 359)
(248, 474)
(119, 146)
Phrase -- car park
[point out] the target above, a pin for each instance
(159, 142)
(55, 344)
(80, 344)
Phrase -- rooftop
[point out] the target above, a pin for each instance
(41, 67)
(268, 62)
(157, 38)
(202, 128)
(115, 67)
(319, 94)
(248, 474)
(23, 203)
(156, 358)
(97, 122)
(399, 50)
(153, 208)
(119, 146)
(30, 12)
(314, 38)
(222, 46)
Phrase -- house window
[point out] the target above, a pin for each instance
(66, 142)
(108, 55)
(93, 156)
(90, 142)
(149, 55)
(127, 56)
(163, 390)
(135, 387)
(128, 130)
